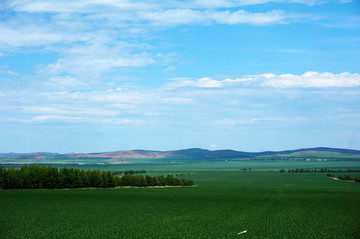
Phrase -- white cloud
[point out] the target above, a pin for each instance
(307, 80)
(205, 82)
(177, 100)
(313, 79)
(175, 17)
(170, 68)
(71, 22)
(70, 110)
(19, 35)
(82, 6)
(99, 35)
(43, 118)
(232, 122)
(101, 60)
(12, 73)
(64, 81)
(72, 119)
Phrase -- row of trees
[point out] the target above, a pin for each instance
(129, 172)
(345, 177)
(34, 176)
(319, 170)
(134, 172)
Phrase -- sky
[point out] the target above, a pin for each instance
(249, 75)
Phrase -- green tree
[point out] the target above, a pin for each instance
(2, 176)
(104, 179)
(111, 179)
(84, 179)
(53, 178)
(95, 178)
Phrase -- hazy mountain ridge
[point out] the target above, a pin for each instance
(194, 154)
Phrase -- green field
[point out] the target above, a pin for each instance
(230, 165)
(266, 204)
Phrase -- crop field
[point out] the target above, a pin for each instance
(230, 165)
(266, 204)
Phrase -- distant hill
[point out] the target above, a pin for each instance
(193, 154)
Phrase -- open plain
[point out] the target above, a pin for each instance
(266, 204)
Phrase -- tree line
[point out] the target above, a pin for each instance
(129, 172)
(345, 177)
(38, 177)
(319, 170)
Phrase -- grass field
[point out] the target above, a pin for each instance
(266, 204)
(213, 165)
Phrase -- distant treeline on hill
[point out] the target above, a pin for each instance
(321, 170)
(129, 172)
(35, 177)
(345, 177)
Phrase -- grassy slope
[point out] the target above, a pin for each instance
(267, 204)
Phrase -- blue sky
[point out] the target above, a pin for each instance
(254, 75)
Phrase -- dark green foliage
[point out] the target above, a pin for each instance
(2, 176)
(134, 172)
(49, 177)
(321, 170)
(126, 172)
(357, 179)
(345, 177)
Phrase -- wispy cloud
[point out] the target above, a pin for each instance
(66, 110)
(187, 16)
(313, 79)
(307, 80)
(82, 6)
(240, 122)
(72, 119)
(177, 100)
(106, 36)
(116, 106)
(81, 63)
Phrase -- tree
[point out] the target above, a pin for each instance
(68, 177)
(53, 178)
(111, 179)
(84, 178)
(104, 179)
(2, 176)
(95, 178)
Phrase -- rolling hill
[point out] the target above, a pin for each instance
(193, 154)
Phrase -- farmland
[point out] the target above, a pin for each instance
(267, 204)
